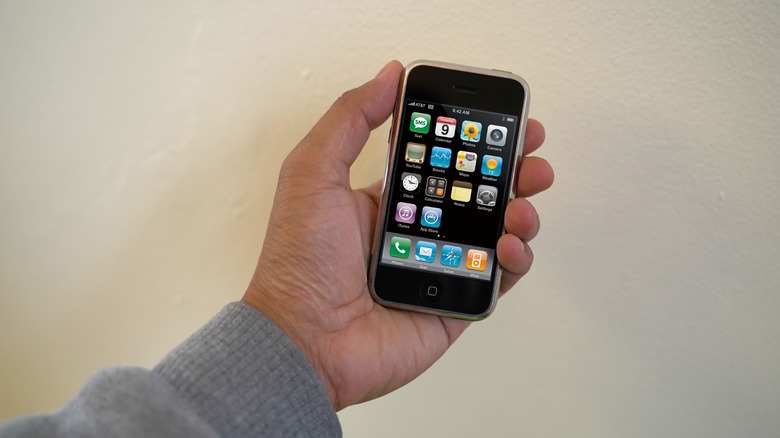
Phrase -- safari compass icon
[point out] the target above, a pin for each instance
(450, 255)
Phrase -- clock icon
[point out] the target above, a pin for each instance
(410, 182)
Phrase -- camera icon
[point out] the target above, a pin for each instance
(496, 135)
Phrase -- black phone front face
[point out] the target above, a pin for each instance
(457, 134)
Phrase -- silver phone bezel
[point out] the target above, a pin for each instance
(390, 167)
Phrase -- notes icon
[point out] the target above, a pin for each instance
(461, 191)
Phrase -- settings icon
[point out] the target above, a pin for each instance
(487, 195)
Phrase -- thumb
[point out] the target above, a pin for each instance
(343, 131)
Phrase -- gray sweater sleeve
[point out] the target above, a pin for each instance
(238, 376)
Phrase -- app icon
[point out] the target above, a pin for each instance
(487, 195)
(436, 187)
(450, 255)
(466, 161)
(405, 213)
(426, 252)
(476, 260)
(461, 191)
(420, 123)
(431, 217)
(445, 126)
(415, 153)
(440, 157)
(491, 165)
(496, 135)
(400, 247)
(470, 131)
(410, 182)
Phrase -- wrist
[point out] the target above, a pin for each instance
(302, 337)
(238, 366)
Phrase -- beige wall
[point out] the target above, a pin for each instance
(139, 145)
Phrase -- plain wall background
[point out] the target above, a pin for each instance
(139, 147)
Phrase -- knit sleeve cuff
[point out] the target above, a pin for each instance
(245, 377)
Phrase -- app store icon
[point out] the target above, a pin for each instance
(431, 217)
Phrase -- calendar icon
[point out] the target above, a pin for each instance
(445, 126)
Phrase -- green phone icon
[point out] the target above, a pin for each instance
(400, 247)
(420, 123)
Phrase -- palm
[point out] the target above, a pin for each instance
(376, 350)
(365, 350)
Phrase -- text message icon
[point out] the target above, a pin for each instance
(420, 123)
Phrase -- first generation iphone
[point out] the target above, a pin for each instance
(456, 138)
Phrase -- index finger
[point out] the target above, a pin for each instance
(534, 136)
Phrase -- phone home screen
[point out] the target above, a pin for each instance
(448, 190)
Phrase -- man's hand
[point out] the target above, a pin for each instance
(311, 279)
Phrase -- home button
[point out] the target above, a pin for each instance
(430, 291)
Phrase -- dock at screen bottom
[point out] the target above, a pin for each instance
(438, 256)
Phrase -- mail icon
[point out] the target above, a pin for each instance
(426, 252)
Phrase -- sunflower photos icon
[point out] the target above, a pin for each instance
(470, 131)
